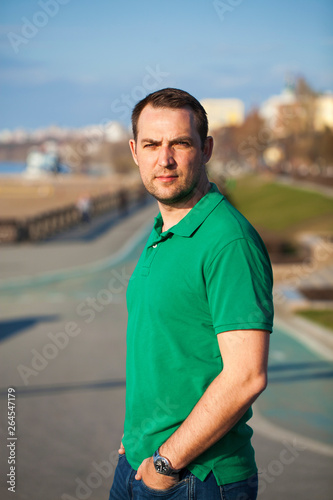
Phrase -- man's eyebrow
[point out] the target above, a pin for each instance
(183, 138)
(151, 141)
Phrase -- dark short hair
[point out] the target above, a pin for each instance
(175, 99)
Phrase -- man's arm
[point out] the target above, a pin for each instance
(227, 398)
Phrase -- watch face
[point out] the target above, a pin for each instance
(161, 466)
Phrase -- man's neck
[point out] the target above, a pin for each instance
(172, 214)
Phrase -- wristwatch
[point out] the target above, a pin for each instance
(163, 466)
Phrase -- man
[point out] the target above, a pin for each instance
(199, 317)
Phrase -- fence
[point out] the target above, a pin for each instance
(48, 223)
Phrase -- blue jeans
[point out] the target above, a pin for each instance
(125, 487)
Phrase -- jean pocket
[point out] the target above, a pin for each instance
(180, 488)
(246, 489)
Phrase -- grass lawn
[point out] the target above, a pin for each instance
(322, 316)
(279, 208)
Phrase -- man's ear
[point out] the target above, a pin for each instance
(208, 149)
(133, 150)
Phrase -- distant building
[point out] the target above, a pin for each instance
(110, 132)
(323, 116)
(6, 136)
(286, 113)
(44, 161)
(270, 109)
(223, 112)
(115, 132)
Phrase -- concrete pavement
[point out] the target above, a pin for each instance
(82, 245)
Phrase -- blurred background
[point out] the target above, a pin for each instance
(74, 218)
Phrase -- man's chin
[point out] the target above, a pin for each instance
(181, 196)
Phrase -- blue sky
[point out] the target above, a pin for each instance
(77, 62)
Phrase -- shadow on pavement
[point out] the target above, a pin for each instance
(300, 371)
(49, 390)
(14, 326)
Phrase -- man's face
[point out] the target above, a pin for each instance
(169, 154)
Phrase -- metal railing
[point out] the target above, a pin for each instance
(48, 223)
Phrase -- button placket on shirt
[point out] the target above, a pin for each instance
(152, 251)
(150, 255)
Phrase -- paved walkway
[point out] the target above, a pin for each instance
(306, 185)
(85, 244)
(291, 292)
(63, 349)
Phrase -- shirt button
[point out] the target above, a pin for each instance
(154, 246)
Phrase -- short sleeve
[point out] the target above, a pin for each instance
(239, 287)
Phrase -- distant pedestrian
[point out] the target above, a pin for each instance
(84, 206)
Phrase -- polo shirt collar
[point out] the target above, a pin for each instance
(194, 218)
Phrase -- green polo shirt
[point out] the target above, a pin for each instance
(208, 274)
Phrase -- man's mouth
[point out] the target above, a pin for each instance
(167, 178)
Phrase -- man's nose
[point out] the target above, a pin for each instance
(165, 157)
